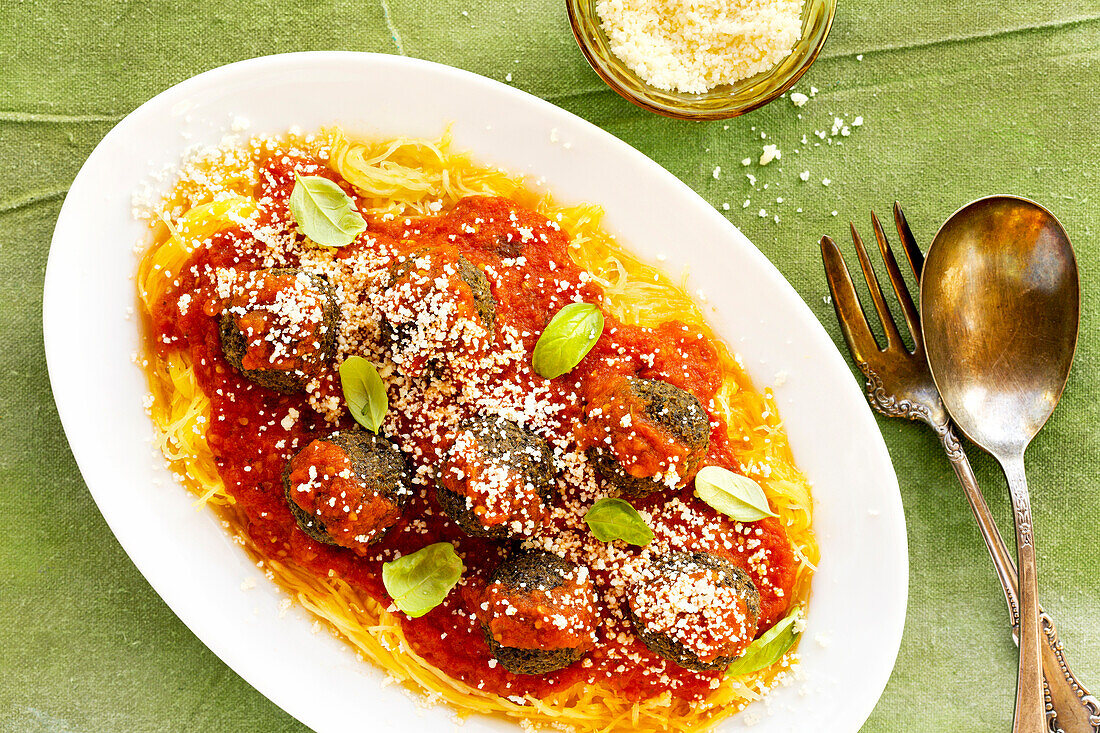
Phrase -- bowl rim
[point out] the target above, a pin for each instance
(590, 56)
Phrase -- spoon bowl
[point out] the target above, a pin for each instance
(1000, 309)
(1000, 316)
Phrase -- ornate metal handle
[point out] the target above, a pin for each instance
(994, 543)
(1070, 708)
(1030, 714)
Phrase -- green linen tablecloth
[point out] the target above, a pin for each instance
(959, 99)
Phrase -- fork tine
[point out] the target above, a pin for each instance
(853, 324)
(909, 311)
(908, 242)
(892, 336)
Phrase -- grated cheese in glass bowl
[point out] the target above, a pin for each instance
(700, 60)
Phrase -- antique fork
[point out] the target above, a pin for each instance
(899, 384)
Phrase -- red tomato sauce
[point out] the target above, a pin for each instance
(252, 440)
(526, 626)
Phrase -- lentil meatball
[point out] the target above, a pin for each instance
(347, 488)
(496, 479)
(695, 609)
(646, 435)
(438, 307)
(278, 327)
(540, 613)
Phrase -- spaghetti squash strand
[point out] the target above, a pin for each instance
(409, 176)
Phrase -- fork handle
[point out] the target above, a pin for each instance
(1070, 707)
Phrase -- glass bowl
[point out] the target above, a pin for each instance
(720, 102)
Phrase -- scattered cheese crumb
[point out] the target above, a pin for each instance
(771, 152)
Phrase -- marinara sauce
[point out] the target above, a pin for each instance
(253, 432)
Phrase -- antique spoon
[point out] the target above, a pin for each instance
(1000, 306)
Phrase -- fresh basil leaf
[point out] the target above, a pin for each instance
(419, 582)
(770, 647)
(571, 334)
(615, 519)
(736, 496)
(364, 392)
(324, 212)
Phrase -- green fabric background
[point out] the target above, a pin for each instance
(960, 99)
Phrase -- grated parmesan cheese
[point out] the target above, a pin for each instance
(692, 46)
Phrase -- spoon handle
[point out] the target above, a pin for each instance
(1030, 714)
(1074, 709)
